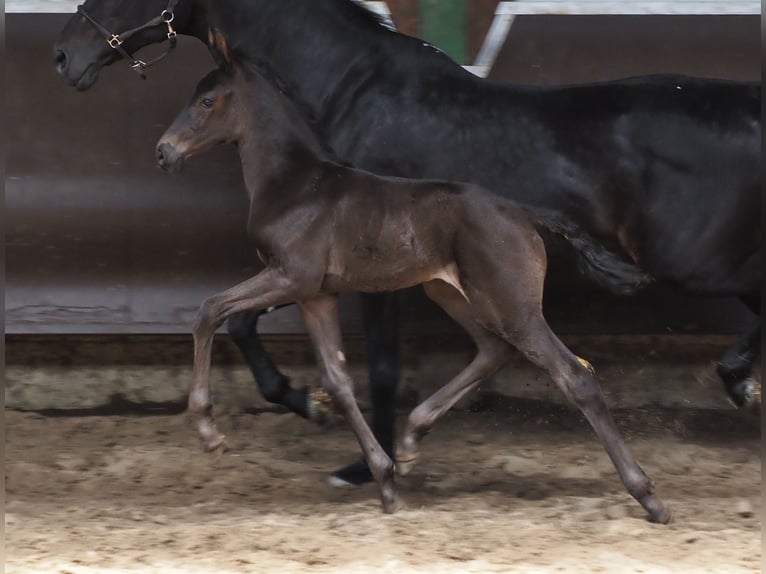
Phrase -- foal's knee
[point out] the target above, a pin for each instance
(207, 320)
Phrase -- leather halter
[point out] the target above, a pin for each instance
(115, 41)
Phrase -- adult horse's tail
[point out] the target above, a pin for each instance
(595, 260)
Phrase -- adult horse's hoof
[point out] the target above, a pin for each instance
(742, 393)
(319, 406)
(355, 474)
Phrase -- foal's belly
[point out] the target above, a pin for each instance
(369, 271)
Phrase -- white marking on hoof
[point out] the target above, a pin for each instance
(340, 483)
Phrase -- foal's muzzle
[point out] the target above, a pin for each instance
(168, 158)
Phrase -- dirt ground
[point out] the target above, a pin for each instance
(523, 488)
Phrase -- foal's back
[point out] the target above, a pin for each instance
(391, 233)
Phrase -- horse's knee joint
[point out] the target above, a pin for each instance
(206, 316)
(242, 325)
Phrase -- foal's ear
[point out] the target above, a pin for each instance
(220, 45)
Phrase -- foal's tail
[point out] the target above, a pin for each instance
(595, 260)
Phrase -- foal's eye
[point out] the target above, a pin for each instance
(207, 103)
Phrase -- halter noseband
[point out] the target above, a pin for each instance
(115, 41)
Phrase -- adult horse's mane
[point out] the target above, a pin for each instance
(357, 9)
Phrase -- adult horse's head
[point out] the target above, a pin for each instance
(105, 31)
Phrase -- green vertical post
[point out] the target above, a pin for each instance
(443, 24)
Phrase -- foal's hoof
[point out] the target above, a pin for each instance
(319, 406)
(215, 445)
(742, 393)
(664, 517)
(390, 500)
(658, 512)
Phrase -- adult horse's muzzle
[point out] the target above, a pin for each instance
(168, 158)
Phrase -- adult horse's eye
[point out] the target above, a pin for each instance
(207, 103)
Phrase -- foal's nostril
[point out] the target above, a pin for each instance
(60, 60)
(160, 157)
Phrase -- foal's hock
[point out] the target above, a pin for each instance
(322, 229)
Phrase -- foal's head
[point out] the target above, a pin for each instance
(215, 115)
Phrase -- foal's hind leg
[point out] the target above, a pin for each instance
(321, 317)
(492, 354)
(273, 384)
(576, 379)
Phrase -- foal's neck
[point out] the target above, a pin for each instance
(278, 150)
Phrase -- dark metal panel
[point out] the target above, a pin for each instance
(98, 240)
(561, 49)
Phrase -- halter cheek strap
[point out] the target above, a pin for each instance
(115, 41)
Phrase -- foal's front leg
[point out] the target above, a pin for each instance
(267, 289)
(321, 317)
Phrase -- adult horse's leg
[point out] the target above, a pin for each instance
(321, 317)
(492, 354)
(267, 289)
(736, 366)
(273, 384)
(380, 315)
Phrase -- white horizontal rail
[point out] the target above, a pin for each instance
(630, 7)
(70, 6)
(514, 8)
(507, 12)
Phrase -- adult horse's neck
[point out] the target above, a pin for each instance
(319, 48)
(198, 23)
(278, 150)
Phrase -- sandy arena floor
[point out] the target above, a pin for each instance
(511, 491)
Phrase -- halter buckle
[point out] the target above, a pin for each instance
(114, 41)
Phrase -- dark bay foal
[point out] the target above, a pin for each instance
(322, 229)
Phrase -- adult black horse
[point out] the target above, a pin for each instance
(664, 169)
